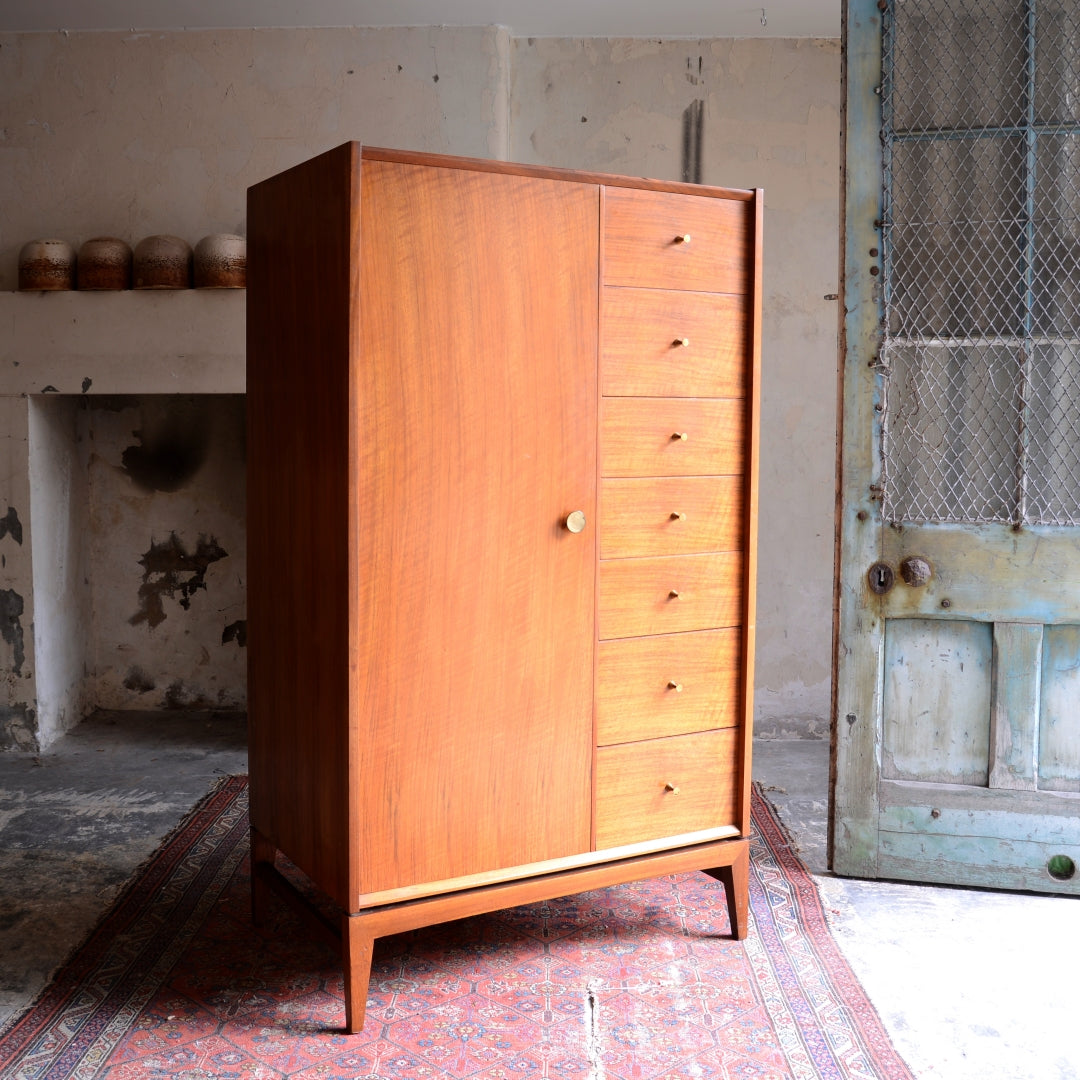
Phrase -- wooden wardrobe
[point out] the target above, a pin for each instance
(502, 449)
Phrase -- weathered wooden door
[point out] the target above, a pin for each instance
(957, 706)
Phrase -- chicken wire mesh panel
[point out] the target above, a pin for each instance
(981, 261)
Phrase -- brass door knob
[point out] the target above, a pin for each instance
(575, 522)
(674, 594)
(677, 515)
(673, 788)
(676, 686)
(683, 342)
(682, 238)
(681, 435)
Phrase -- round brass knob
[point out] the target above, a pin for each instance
(674, 594)
(677, 687)
(575, 522)
(677, 515)
(684, 342)
(682, 238)
(679, 435)
(673, 788)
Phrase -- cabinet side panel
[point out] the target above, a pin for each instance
(299, 341)
(478, 392)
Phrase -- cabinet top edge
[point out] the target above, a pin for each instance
(359, 153)
(550, 172)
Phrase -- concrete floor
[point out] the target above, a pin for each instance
(970, 984)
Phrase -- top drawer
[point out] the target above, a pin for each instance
(646, 245)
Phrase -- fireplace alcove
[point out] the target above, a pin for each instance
(122, 550)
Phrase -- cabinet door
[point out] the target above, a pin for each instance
(476, 435)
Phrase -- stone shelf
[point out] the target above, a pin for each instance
(189, 341)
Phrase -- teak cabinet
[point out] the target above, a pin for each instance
(502, 446)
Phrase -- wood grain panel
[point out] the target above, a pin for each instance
(635, 695)
(302, 230)
(642, 437)
(478, 404)
(635, 595)
(666, 343)
(642, 249)
(670, 515)
(634, 782)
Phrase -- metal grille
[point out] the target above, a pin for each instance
(981, 261)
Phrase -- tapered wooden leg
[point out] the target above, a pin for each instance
(262, 852)
(736, 881)
(357, 945)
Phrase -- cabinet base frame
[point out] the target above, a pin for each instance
(726, 860)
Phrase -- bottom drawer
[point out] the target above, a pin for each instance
(666, 787)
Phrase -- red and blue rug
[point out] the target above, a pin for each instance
(634, 982)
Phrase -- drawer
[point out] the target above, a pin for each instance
(643, 246)
(670, 515)
(641, 597)
(671, 436)
(651, 687)
(672, 344)
(666, 787)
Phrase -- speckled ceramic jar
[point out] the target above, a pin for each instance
(162, 262)
(46, 266)
(104, 264)
(221, 262)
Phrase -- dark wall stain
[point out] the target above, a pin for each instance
(178, 696)
(169, 570)
(87, 383)
(11, 609)
(693, 133)
(138, 680)
(171, 448)
(10, 525)
(237, 632)
(18, 727)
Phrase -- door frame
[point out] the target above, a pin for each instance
(856, 736)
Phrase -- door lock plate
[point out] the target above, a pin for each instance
(881, 578)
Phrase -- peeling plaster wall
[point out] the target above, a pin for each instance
(770, 117)
(167, 547)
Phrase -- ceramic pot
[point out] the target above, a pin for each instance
(46, 266)
(162, 262)
(220, 262)
(104, 263)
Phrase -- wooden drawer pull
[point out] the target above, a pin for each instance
(681, 435)
(681, 342)
(677, 515)
(676, 686)
(674, 594)
(682, 238)
(673, 788)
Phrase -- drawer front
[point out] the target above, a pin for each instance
(670, 515)
(641, 597)
(643, 246)
(666, 787)
(671, 437)
(648, 688)
(672, 344)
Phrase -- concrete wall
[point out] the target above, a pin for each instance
(133, 134)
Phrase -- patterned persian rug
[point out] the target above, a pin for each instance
(635, 982)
